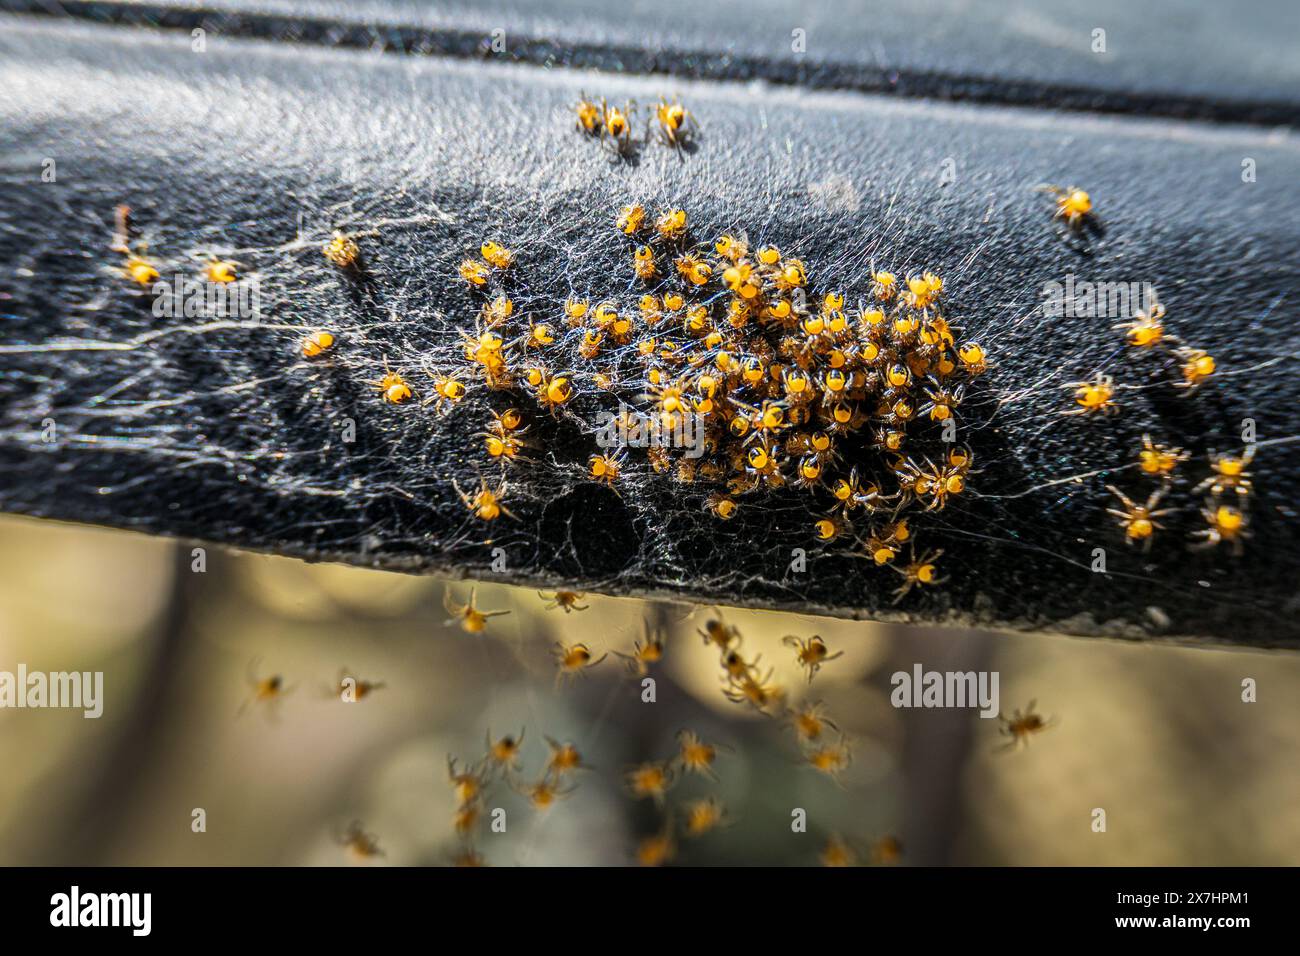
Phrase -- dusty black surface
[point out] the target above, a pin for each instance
(225, 434)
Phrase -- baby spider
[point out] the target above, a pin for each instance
(1146, 329)
(446, 388)
(938, 482)
(703, 816)
(694, 755)
(486, 503)
(564, 759)
(616, 129)
(505, 445)
(1095, 396)
(553, 391)
(474, 272)
(630, 219)
(919, 571)
(943, 401)
(503, 753)
(1230, 474)
(1159, 461)
(1223, 523)
(1072, 205)
(498, 256)
(471, 619)
(360, 845)
(830, 759)
(719, 634)
(590, 117)
(467, 785)
(756, 691)
(341, 251)
(544, 793)
(722, 506)
(811, 654)
(1021, 726)
(318, 343)
(1138, 521)
(564, 600)
(645, 652)
(676, 124)
(221, 271)
(392, 386)
(657, 849)
(349, 688)
(573, 659)
(671, 225)
(973, 359)
(652, 780)
(1197, 365)
(809, 722)
(606, 468)
(265, 692)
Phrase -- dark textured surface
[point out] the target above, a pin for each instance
(225, 435)
(1176, 58)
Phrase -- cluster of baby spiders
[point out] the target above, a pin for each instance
(268, 693)
(782, 386)
(744, 682)
(653, 780)
(1228, 490)
(472, 784)
(669, 121)
(1145, 332)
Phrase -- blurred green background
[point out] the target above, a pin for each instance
(1157, 736)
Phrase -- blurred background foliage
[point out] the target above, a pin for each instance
(1157, 736)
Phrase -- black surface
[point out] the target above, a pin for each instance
(227, 436)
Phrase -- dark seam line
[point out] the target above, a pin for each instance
(685, 64)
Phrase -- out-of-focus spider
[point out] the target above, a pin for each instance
(264, 692)
(1224, 523)
(703, 816)
(470, 618)
(645, 652)
(811, 653)
(566, 601)
(1022, 725)
(361, 846)
(676, 124)
(1073, 205)
(1159, 461)
(652, 780)
(809, 722)
(574, 659)
(694, 755)
(1230, 473)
